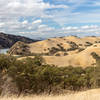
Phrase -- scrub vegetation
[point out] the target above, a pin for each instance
(34, 76)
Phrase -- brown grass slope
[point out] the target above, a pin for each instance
(64, 51)
(83, 58)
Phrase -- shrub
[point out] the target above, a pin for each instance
(38, 60)
(6, 62)
(73, 45)
(57, 54)
(53, 50)
(88, 44)
(34, 76)
(65, 54)
(60, 47)
(80, 49)
(96, 57)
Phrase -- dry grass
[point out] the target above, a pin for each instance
(74, 58)
(82, 59)
(88, 95)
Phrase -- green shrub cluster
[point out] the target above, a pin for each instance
(34, 76)
(54, 50)
(73, 45)
(88, 44)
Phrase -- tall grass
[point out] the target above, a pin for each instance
(89, 95)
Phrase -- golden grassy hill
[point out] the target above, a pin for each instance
(62, 51)
(83, 58)
(70, 44)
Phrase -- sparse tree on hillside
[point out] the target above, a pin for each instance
(39, 60)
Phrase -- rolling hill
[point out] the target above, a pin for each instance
(62, 51)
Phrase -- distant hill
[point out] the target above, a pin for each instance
(62, 51)
(7, 40)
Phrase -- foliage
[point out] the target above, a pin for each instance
(73, 45)
(96, 57)
(88, 44)
(34, 76)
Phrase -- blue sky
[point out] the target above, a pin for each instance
(50, 18)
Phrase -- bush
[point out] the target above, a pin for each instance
(88, 44)
(57, 54)
(53, 50)
(34, 76)
(80, 49)
(6, 62)
(73, 45)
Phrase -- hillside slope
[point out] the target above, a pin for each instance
(63, 51)
(83, 58)
(7, 40)
(64, 44)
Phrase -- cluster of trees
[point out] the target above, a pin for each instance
(35, 76)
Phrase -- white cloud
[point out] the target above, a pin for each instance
(70, 28)
(18, 8)
(30, 27)
(59, 6)
(45, 31)
(25, 22)
(45, 28)
(42, 26)
(2, 24)
(12, 10)
(37, 21)
(14, 5)
(90, 27)
(83, 30)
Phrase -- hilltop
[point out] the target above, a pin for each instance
(7, 40)
(62, 51)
